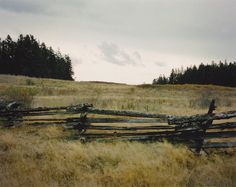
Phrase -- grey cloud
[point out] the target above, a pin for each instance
(22, 6)
(183, 27)
(113, 54)
(160, 64)
(137, 55)
(47, 7)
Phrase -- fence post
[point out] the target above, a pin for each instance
(13, 119)
(82, 126)
(212, 107)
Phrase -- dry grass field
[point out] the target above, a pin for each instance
(42, 156)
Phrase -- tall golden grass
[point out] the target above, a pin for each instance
(42, 156)
(172, 99)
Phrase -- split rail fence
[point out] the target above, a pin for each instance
(210, 130)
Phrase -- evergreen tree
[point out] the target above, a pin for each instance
(219, 74)
(29, 57)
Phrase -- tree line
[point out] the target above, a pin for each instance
(223, 74)
(27, 56)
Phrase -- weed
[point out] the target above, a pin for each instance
(22, 95)
(29, 82)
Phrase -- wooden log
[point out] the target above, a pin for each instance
(143, 139)
(50, 113)
(126, 134)
(224, 134)
(116, 120)
(219, 145)
(115, 128)
(179, 120)
(119, 120)
(223, 126)
(226, 115)
(159, 127)
(79, 124)
(212, 107)
(185, 134)
(140, 138)
(85, 108)
(206, 125)
(47, 110)
(45, 123)
(127, 113)
(79, 107)
(93, 120)
(37, 119)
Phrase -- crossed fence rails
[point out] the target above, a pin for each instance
(197, 132)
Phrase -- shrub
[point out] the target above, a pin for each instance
(29, 82)
(22, 95)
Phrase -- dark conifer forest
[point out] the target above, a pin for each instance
(223, 74)
(27, 56)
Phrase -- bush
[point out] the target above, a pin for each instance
(22, 95)
(29, 82)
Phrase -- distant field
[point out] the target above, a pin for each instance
(42, 156)
(172, 99)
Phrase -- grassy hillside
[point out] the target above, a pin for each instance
(42, 156)
(172, 99)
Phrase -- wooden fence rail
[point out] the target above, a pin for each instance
(197, 131)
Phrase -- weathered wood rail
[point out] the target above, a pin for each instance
(198, 131)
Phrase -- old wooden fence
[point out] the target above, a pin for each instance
(210, 130)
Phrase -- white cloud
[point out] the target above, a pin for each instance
(115, 55)
(160, 64)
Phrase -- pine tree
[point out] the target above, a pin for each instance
(27, 56)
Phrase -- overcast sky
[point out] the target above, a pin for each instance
(129, 41)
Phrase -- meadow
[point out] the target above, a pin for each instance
(42, 156)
